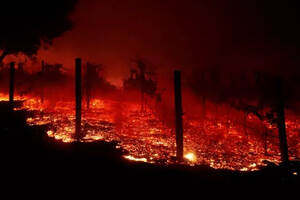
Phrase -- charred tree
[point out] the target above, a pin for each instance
(78, 98)
(142, 68)
(42, 76)
(280, 105)
(178, 115)
(12, 82)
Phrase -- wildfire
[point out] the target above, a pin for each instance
(218, 142)
(136, 159)
(190, 157)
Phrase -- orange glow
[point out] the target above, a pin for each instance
(219, 143)
(136, 159)
(190, 157)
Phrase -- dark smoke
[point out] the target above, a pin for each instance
(26, 25)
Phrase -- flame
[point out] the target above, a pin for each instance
(136, 159)
(190, 157)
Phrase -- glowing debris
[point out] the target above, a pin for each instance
(295, 173)
(244, 169)
(214, 141)
(136, 159)
(190, 157)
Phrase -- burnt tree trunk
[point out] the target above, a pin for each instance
(42, 76)
(178, 115)
(12, 82)
(281, 123)
(78, 98)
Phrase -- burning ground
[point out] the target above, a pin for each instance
(225, 139)
(221, 130)
(216, 51)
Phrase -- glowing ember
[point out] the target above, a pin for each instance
(190, 157)
(136, 159)
(295, 173)
(233, 144)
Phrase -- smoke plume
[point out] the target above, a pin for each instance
(26, 25)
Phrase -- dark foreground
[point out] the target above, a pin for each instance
(29, 156)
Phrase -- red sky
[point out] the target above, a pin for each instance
(168, 33)
(190, 35)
